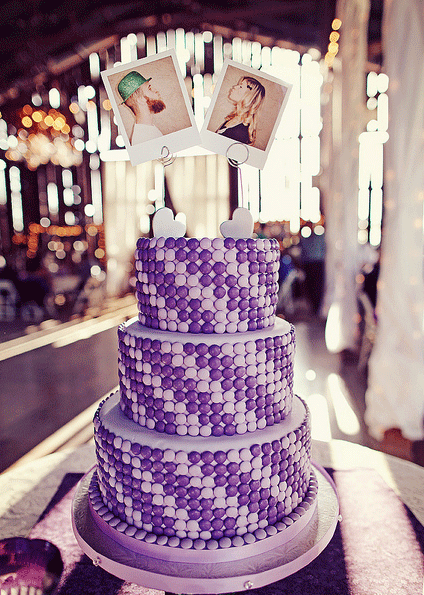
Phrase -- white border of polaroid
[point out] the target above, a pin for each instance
(179, 129)
(237, 153)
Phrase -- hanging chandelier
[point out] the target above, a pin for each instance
(42, 136)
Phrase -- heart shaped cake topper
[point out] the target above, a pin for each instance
(240, 226)
(165, 226)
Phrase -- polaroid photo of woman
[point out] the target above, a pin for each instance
(246, 108)
(151, 106)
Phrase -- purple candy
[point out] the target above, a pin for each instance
(207, 469)
(207, 456)
(229, 430)
(192, 407)
(231, 490)
(170, 467)
(227, 373)
(205, 255)
(206, 515)
(229, 243)
(205, 268)
(135, 448)
(169, 278)
(241, 244)
(182, 304)
(170, 242)
(205, 280)
(230, 523)
(218, 431)
(180, 255)
(219, 268)
(182, 291)
(227, 384)
(217, 407)
(220, 469)
(190, 384)
(206, 503)
(215, 374)
(243, 304)
(214, 363)
(233, 468)
(205, 525)
(195, 304)
(219, 292)
(207, 316)
(215, 419)
(201, 349)
(193, 243)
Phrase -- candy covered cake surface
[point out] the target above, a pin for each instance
(204, 447)
(202, 493)
(206, 384)
(207, 285)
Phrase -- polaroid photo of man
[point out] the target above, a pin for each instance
(152, 107)
(245, 111)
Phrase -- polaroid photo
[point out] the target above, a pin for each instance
(152, 107)
(245, 111)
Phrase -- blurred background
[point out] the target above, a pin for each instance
(72, 206)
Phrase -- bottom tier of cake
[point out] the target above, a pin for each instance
(201, 494)
(218, 571)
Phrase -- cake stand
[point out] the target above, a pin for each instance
(218, 577)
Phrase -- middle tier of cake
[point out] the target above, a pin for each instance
(206, 385)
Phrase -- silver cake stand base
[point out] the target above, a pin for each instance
(220, 577)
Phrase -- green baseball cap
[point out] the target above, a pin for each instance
(130, 83)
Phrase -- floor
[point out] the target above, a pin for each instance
(55, 373)
(52, 372)
(334, 386)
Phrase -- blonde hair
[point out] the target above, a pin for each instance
(245, 110)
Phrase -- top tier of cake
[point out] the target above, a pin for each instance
(220, 285)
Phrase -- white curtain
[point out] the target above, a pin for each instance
(348, 117)
(395, 397)
(199, 188)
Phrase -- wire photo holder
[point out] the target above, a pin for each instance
(166, 157)
(237, 154)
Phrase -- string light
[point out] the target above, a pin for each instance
(333, 46)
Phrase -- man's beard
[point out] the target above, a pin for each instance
(155, 105)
